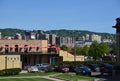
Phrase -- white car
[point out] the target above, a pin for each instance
(33, 69)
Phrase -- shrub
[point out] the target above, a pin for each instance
(77, 63)
(12, 71)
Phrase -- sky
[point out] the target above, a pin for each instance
(91, 15)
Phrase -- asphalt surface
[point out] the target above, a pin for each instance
(106, 77)
(110, 78)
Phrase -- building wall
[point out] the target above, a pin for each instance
(69, 57)
(52, 39)
(10, 61)
(30, 43)
(68, 41)
(95, 37)
(13, 60)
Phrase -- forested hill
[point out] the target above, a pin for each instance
(78, 33)
(62, 32)
(10, 31)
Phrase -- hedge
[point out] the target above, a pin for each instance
(12, 71)
(77, 63)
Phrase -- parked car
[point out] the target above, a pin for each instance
(50, 68)
(32, 69)
(106, 68)
(83, 70)
(42, 66)
(72, 68)
(94, 67)
(63, 69)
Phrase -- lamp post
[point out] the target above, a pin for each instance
(74, 53)
(74, 49)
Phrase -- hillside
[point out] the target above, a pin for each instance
(62, 32)
(10, 32)
(78, 33)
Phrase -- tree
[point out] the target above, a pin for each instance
(97, 50)
(85, 50)
(104, 48)
(114, 49)
(76, 50)
(94, 50)
(64, 47)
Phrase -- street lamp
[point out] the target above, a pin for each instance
(74, 48)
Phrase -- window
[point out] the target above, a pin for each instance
(6, 48)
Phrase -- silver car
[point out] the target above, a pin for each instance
(42, 66)
(33, 69)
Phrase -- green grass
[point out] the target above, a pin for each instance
(73, 77)
(25, 79)
(32, 74)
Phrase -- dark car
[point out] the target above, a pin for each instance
(62, 68)
(106, 68)
(94, 67)
(83, 70)
(72, 68)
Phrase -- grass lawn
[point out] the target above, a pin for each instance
(73, 77)
(25, 79)
(32, 74)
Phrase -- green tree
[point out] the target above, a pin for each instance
(114, 49)
(94, 50)
(76, 50)
(104, 48)
(85, 50)
(64, 47)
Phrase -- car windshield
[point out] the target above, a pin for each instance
(33, 67)
(44, 64)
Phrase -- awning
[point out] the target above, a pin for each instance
(5, 46)
(44, 47)
(26, 46)
(20, 46)
(12, 47)
(33, 46)
(57, 48)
